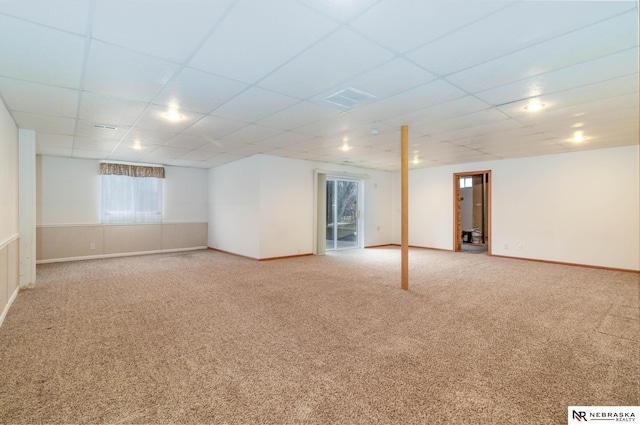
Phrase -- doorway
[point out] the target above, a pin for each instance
(342, 214)
(472, 212)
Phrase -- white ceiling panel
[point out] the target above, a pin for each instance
(198, 91)
(186, 141)
(391, 78)
(54, 140)
(282, 140)
(198, 155)
(334, 60)
(53, 151)
(122, 73)
(101, 109)
(39, 98)
(460, 72)
(251, 133)
(254, 104)
(157, 29)
(67, 15)
(88, 144)
(404, 104)
(610, 36)
(405, 25)
(604, 68)
(298, 115)
(259, 36)
(157, 118)
(212, 127)
(45, 123)
(341, 11)
(502, 32)
(86, 129)
(39, 54)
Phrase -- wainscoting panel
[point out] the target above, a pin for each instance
(132, 238)
(184, 235)
(73, 242)
(68, 241)
(9, 274)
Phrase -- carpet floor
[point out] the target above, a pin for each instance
(207, 337)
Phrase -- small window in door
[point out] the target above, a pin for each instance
(466, 182)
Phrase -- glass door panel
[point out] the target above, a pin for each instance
(331, 205)
(342, 214)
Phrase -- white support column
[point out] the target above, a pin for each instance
(27, 205)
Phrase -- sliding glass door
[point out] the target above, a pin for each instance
(342, 214)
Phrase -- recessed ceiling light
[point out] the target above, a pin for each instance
(345, 146)
(173, 115)
(416, 160)
(136, 145)
(534, 106)
(578, 137)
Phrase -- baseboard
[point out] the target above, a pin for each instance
(414, 246)
(120, 254)
(286, 257)
(260, 259)
(380, 246)
(562, 263)
(6, 308)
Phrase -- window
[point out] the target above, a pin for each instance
(466, 182)
(131, 193)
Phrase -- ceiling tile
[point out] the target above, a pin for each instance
(168, 152)
(87, 130)
(67, 15)
(251, 133)
(485, 39)
(94, 145)
(40, 54)
(577, 47)
(157, 29)
(420, 21)
(284, 139)
(54, 140)
(605, 68)
(211, 127)
(450, 109)
(156, 118)
(39, 98)
(45, 123)
(197, 91)
(253, 105)
(339, 57)
(102, 109)
(298, 115)
(53, 151)
(186, 141)
(341, 11)
(198, 155)
(122, 73)
(470, 120)
(89, 154)
(242, 47)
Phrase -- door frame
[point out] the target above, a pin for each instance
(457, 216)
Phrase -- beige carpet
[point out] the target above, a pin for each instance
(206, 337)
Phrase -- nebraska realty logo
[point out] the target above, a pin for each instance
(582, 414)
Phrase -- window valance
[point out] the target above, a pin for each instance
(107, 168)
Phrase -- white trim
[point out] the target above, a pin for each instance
(120, 254)
(6, 308)
(118, 224)
(346, 174)
(10, 239)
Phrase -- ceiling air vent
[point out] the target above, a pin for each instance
(349, 97)
(104, 127)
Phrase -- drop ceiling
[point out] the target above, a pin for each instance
(246, 77)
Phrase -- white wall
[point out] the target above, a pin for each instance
(69, 192)
(263, 206)
(234, 198)
(580, 207)
(9, 207)
(8, 176)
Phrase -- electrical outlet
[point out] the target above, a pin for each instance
(520, 247)
(92, 246)
(506, 246)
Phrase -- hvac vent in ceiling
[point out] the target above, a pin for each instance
(104, 127)
(349, 97)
